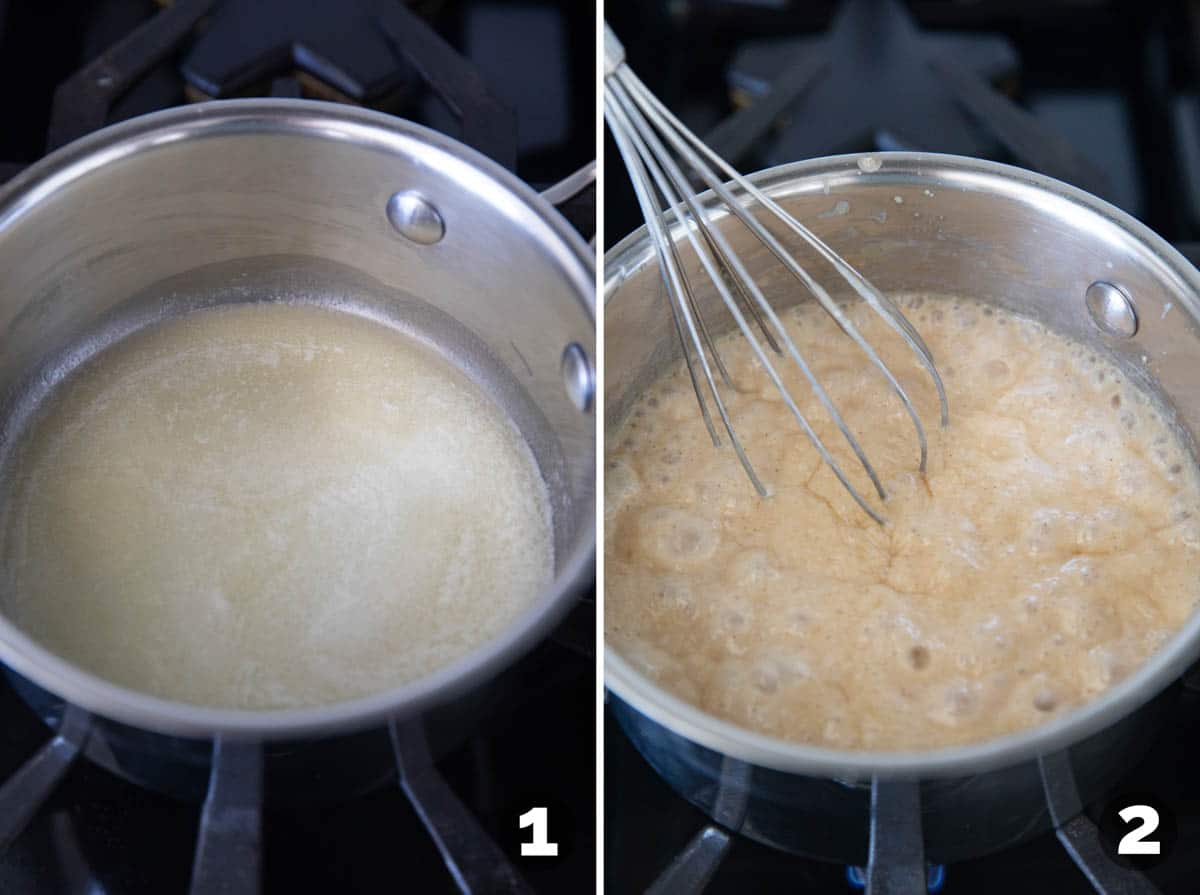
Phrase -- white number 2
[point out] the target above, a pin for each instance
(1132, 843)
(540, 847)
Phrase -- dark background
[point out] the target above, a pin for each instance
(1118, 80)
(538, 58)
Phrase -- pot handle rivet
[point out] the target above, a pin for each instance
(578, 376)
(415, 218)
(1111, 309)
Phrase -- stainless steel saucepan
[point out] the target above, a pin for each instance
(310, 202)
(957, 226)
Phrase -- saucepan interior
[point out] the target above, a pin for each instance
(288, 201)
(942, 225)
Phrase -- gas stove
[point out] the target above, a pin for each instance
(444, 826)
(1101, 95)
(515, 83)
(667, 845)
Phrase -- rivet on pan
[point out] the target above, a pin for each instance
(578, 376)
(415, 218)
(1111, 309)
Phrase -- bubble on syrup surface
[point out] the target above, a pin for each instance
(797, 620)
(966, 317)
(795, 666)
(1131, 480)
(1104, 529)
(766, 676)
(736, 619)
(1103, 665)
(676, 593)
(1038, 499)
(753, 568)
(1045, 699)
(955, 703)
(674, 536)
(1048, 529)
(1079, 568)
(621, 484)
(996, 369)
(648, 658)
(1086, 618)
(836, 731)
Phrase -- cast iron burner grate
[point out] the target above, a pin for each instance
(376, 45)
(93, 826)
(661, 843)
(896, 858)
(229, 840)
(376, 53)
(336, 42)
(770, 84)
(229, 843)
(369, 52)
(876, 80)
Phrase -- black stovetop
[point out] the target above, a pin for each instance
(1101, 94)
(646, 824)
(102, 835)
(516, 81)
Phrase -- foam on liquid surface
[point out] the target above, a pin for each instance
(270, 506)
(1053, 546)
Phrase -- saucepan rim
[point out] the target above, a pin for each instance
(1156, 674)
(333, 122)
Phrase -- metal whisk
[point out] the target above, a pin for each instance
(640, 124)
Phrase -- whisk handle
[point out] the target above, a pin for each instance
(614, 51)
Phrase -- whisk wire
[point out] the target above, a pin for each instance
(671, 185)
(653, 215)
(742, 276)
(697, 316)
(640, 124)
(672, 129)
(730, 279)
(687, 359)
(874, 298)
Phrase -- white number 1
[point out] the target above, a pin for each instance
(540, 847)
(1131, 843)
